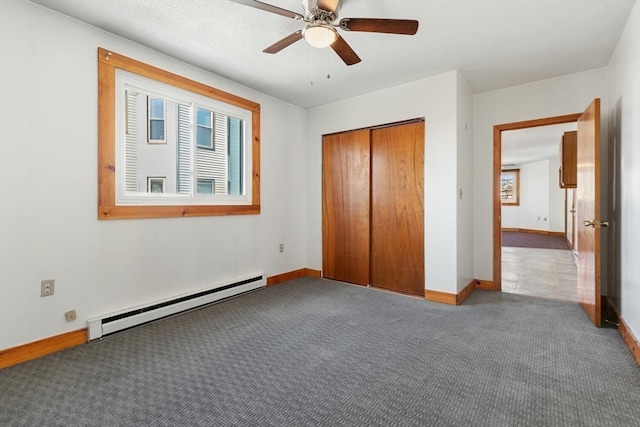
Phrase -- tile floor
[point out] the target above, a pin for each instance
(545, 273)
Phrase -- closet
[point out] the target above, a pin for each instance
(372, 207)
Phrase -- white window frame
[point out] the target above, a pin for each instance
(125, 80)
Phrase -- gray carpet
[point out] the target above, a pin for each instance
(321, 353)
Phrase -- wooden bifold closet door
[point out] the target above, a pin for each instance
(372, 204)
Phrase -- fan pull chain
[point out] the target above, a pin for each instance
(311, 69)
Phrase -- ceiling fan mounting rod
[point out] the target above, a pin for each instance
(317, 14)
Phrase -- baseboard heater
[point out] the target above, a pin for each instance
(100, 326)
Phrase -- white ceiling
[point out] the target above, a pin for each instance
(533, 144)
(493, 43)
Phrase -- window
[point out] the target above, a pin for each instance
(156, 130)
(206, 186)
(510, 187)
(156, 184)
(170, 146)
(204, 128)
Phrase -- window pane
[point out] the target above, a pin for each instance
(156, 108)
(205, 186)
(203, 117)
(156, 185)
(204, 137)
(156, 130)
(235, 156)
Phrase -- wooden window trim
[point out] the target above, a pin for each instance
(108, 62)
(516, 173)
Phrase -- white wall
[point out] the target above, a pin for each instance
(556, 197)
(624, 139)
(435, 100)
(464, 209)
(553, 97)
(541, 198)
(533, 211)
(48, 189)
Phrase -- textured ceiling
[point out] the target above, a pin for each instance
(530, 145)
(494, 44)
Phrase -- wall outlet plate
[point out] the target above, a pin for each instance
(70, 315)
(47, 287)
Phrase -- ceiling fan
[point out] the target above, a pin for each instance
(321, 31)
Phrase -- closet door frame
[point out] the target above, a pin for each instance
(347, 208)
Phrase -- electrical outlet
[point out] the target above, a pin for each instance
(47, 287)
(70, 315)
(281, 247)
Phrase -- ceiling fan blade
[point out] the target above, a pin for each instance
(287, 41)
(389, 26)
(270, 8)
(345, 52)
(329, 5)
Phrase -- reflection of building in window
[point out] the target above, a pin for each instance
(206, 186)
(156, 184)
(156, 120)
(204, 128)
(199, 145)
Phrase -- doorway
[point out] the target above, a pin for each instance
(497, 172)
(537, 257)
(588, 203)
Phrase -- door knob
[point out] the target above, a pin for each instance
(594, 223)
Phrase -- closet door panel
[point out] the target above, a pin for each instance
(345, 206)
(397, 208)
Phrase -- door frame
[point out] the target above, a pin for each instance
(497, 169)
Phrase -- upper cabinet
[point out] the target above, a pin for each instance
(568, 174)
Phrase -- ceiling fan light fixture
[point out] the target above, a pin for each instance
(320, 35)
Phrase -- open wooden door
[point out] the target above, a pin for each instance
(588, 211)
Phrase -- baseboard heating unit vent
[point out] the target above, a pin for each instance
(98, 327)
